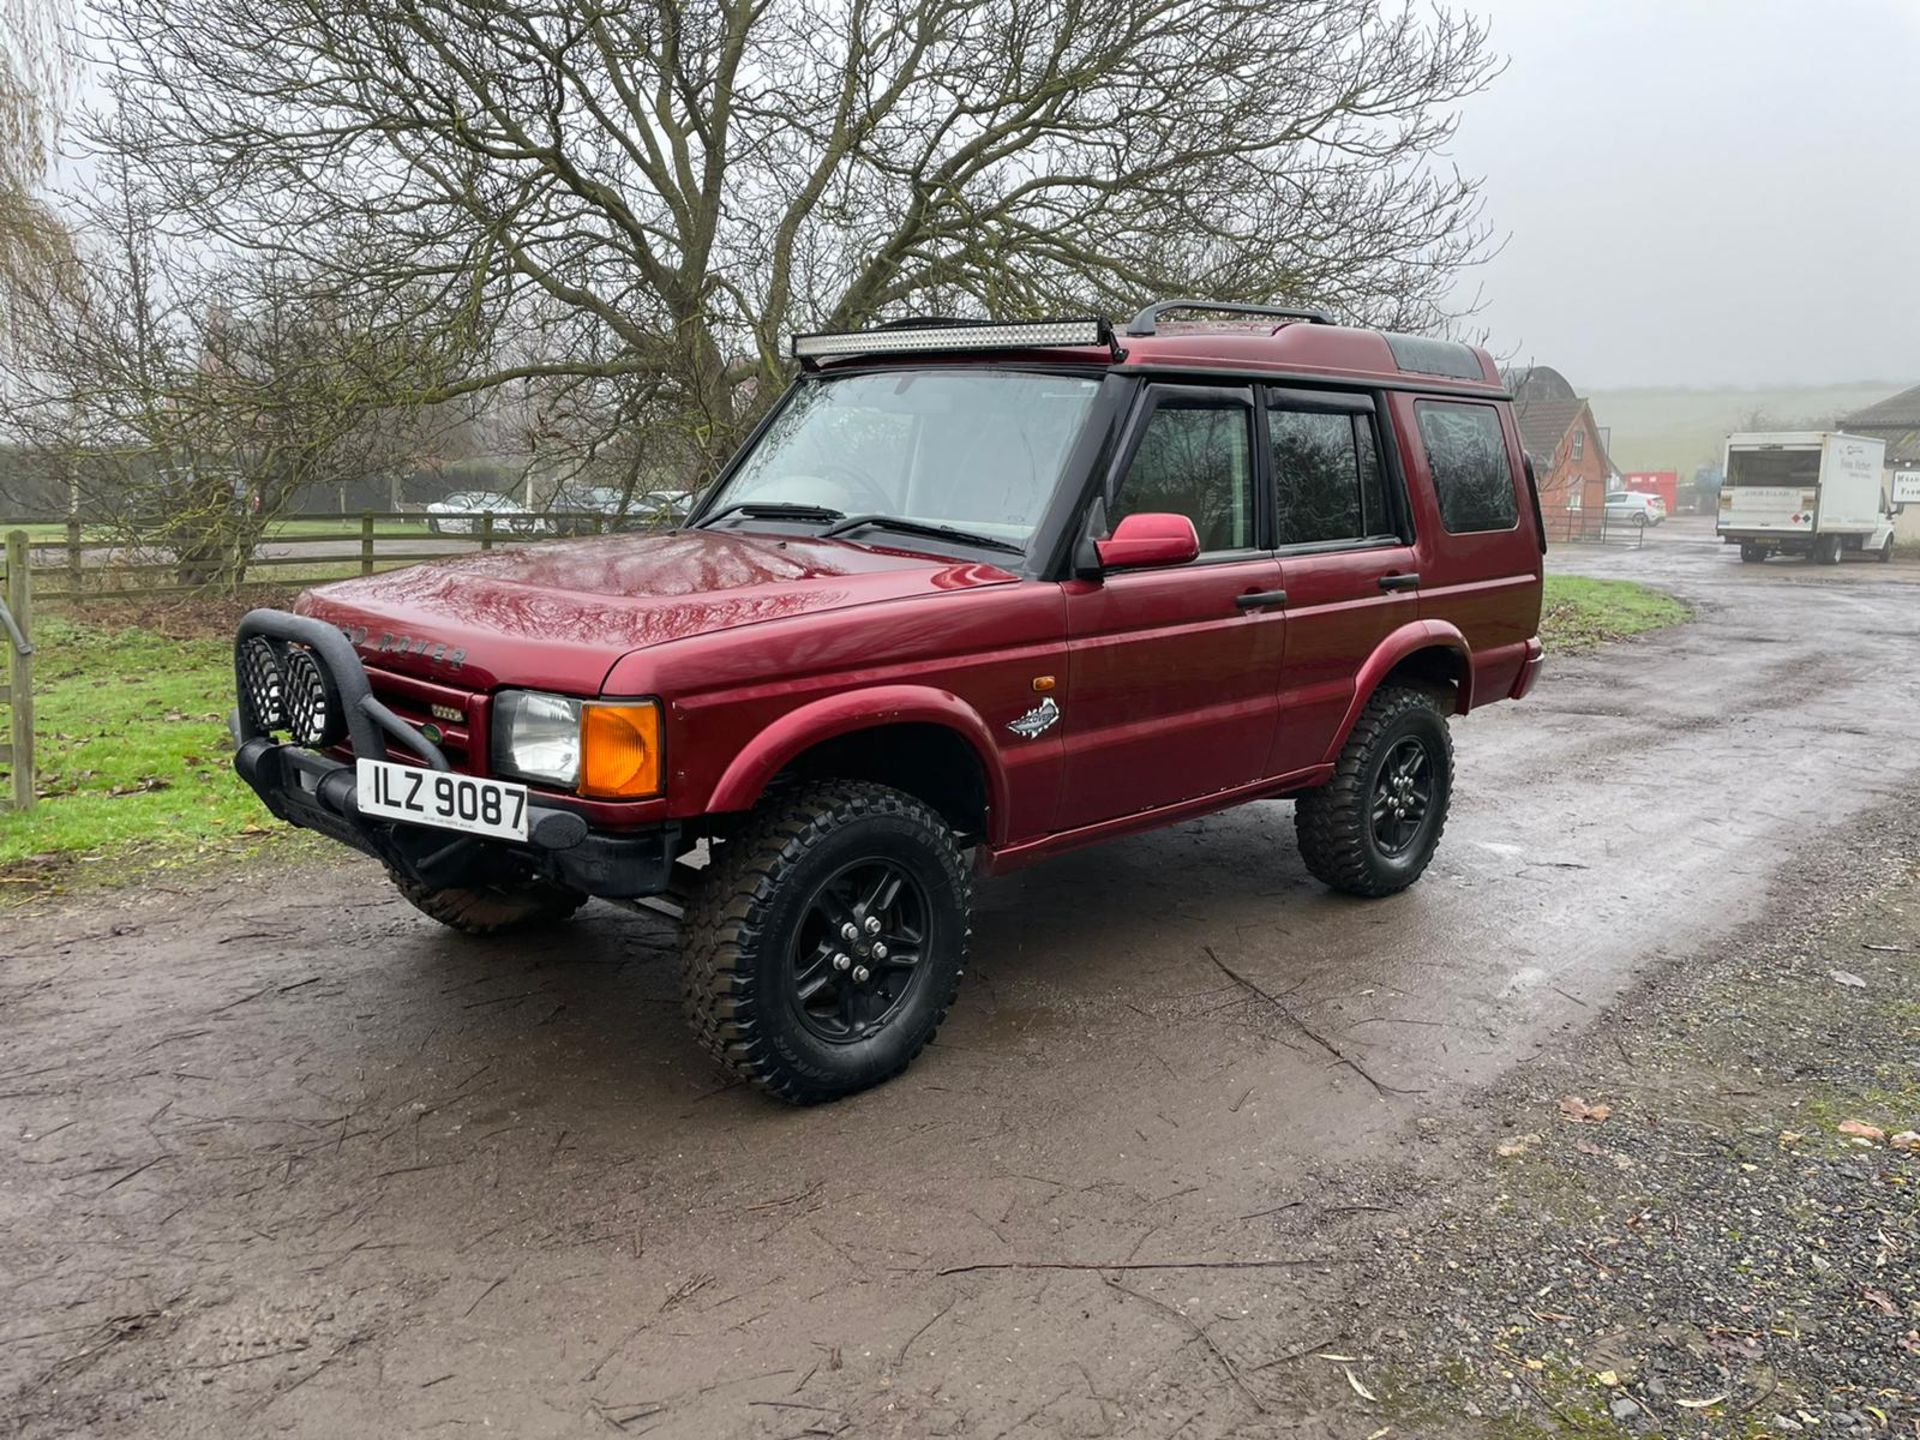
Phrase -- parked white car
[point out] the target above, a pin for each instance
(1631, 507)
(459, 514)
(643, 510)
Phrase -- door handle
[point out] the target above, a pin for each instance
(1399, 582)
(1260, 599)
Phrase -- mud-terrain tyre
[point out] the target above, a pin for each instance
(765, 936)
(1373, 827)
(490, 909)
(1753, 554)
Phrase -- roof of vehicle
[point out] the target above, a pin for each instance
(1296, 349)
(1756, 439)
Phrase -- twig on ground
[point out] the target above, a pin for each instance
(1380, 1087)
(901, 1358)
(1280, 1264)
(1199, 1332)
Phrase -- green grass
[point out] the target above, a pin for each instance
(1579, 614)
(50, 534)
(132, 758)
(344, 525)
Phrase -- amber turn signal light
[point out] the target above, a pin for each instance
(620, 751)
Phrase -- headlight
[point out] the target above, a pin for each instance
(609, 750)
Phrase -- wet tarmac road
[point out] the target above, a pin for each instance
(283, 1157)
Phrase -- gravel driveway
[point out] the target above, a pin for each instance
(283, 1157)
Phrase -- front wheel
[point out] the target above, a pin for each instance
(1372, 829)
(1885, 552)
(825, 943)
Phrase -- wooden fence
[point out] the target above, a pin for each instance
(16, 639)
(75, 561)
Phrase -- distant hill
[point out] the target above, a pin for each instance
(1675, 428)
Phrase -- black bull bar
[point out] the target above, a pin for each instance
(335, 704)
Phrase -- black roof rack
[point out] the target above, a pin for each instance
(1147, 321)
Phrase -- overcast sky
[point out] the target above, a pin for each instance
(1703, 191)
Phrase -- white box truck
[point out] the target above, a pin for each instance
(1818, 493)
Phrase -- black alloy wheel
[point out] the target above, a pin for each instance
(1402, 796)
(857, 951)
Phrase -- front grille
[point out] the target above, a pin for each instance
(463, 741)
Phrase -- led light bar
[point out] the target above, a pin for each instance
(988, 335)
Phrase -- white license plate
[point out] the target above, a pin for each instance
(447, 802)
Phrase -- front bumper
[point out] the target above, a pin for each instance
(318, 791)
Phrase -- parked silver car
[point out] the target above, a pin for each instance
(459, 514)
(1630, 507)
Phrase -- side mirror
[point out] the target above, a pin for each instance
(1149, 540)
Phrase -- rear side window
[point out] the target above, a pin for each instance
(1467, 457)
(1195, 459)
(1326, 477)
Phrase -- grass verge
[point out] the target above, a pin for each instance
(133, 768)
(1578, 613)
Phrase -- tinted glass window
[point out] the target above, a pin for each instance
(1467, 456)
(1773, 467)
(1195, 460)
(1326, 477)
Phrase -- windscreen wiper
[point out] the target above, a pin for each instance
(918, 527)
(773, 510)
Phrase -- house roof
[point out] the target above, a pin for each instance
(1544, 424)
(1545, 407)
(1539, 382)
(1895, 420)
(1896, 412)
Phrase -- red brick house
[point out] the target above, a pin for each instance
(1570, 457)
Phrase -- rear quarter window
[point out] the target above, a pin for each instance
(1467, 457)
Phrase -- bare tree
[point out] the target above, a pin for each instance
(33, 80)
(642, 197)
(185, 398)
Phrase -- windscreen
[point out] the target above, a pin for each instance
(974, 449)
(1794, 468)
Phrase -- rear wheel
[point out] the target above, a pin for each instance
(490, 909)
(825, 943)
(1752, 554)
(1826, 550)
(1373, 828)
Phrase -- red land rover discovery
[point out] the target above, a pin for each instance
(1006, 589)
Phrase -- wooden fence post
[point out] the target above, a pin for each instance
(20, 688)
(486, 531)
(366, 542)
(74, 557)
